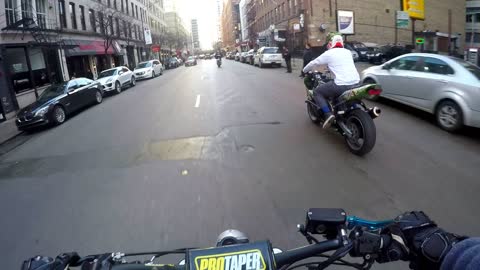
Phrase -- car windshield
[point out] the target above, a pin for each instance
(144, 65)
(191, 58)
(359, 46)
(270, 50)
(52, 91)
(475, 70)
(107, 73)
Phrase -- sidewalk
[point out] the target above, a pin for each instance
(8, 129)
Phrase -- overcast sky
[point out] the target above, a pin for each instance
(205, 11)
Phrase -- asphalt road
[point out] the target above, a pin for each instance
(178, 159)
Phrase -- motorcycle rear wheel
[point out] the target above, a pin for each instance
(312, 114)
(364, 134)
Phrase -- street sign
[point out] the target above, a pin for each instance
(420, 41)
(402, 19)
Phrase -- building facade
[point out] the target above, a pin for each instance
(179, 38)
(294, 22)
(231, 32)
(48, 41)
(195, 35)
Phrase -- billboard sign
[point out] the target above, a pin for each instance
(148, 36)
(345, 22)
(415, 8)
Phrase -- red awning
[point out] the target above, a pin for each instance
(90, 47)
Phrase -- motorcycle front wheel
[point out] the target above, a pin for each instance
(364, 134)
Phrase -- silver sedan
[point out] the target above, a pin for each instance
(447, 87)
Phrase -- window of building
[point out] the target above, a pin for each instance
(129, 30)
(115, 4)
(101, 22)
(73, 15)
(121, 5)
(283, 10)
(136, 11)
(91, 15)
(82, 18)
(126, 6)
(110, 23)
(109, 3)
(133, 10)
(125, 29)
(290, 7)
(117, 24)
(61, 12)
(41, 13)
(10, 11)
(18, 68)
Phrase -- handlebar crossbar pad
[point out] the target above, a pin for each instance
(252, 256)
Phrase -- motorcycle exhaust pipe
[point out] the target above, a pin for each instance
(374, 112)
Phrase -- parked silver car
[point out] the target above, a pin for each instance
(447, 87)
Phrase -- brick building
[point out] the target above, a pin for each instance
(374, 22)
(230, 23)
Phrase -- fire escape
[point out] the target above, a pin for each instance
(26, 19)
(252, 24)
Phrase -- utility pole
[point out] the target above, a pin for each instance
(396, 27)
(449, 32)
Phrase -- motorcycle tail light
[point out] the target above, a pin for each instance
(375, 91)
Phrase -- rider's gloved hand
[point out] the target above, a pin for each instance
(420, 241)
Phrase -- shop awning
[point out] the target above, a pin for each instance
(92, 47)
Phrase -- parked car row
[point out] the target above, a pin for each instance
(265, 56)
(59, 100)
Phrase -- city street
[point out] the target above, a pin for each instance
(175, 160)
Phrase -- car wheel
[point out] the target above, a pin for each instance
(449, 116)
(371, 81)
(98, 97)
(58, 115)
(260, 64)
(118, 87)
(153, 74)
(133, 82)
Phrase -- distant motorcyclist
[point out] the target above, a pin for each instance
(218, 55)
(340, 62)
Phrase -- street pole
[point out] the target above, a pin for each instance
(472, 35)
(413, 33)
(396, 27)
(449, 32)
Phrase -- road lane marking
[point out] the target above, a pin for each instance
(197, 103)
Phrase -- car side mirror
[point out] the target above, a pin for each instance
(120, 72)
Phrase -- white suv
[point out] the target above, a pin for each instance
(268, 56)
(115, 78)
(148, 69)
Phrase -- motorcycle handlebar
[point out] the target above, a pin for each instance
(294, 255)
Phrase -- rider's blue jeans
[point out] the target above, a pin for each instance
(326, 91)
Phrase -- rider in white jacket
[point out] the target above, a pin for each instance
(340, 62)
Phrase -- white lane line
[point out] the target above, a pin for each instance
(197, 103)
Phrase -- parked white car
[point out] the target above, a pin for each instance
(115, 79)
(148, 69)
(268, 56)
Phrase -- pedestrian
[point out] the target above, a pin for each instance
(288, 59)
(307, 57)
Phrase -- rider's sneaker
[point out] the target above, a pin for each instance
(328, 120)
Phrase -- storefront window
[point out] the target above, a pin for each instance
(18, 68)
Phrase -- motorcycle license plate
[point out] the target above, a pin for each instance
(253, 256)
